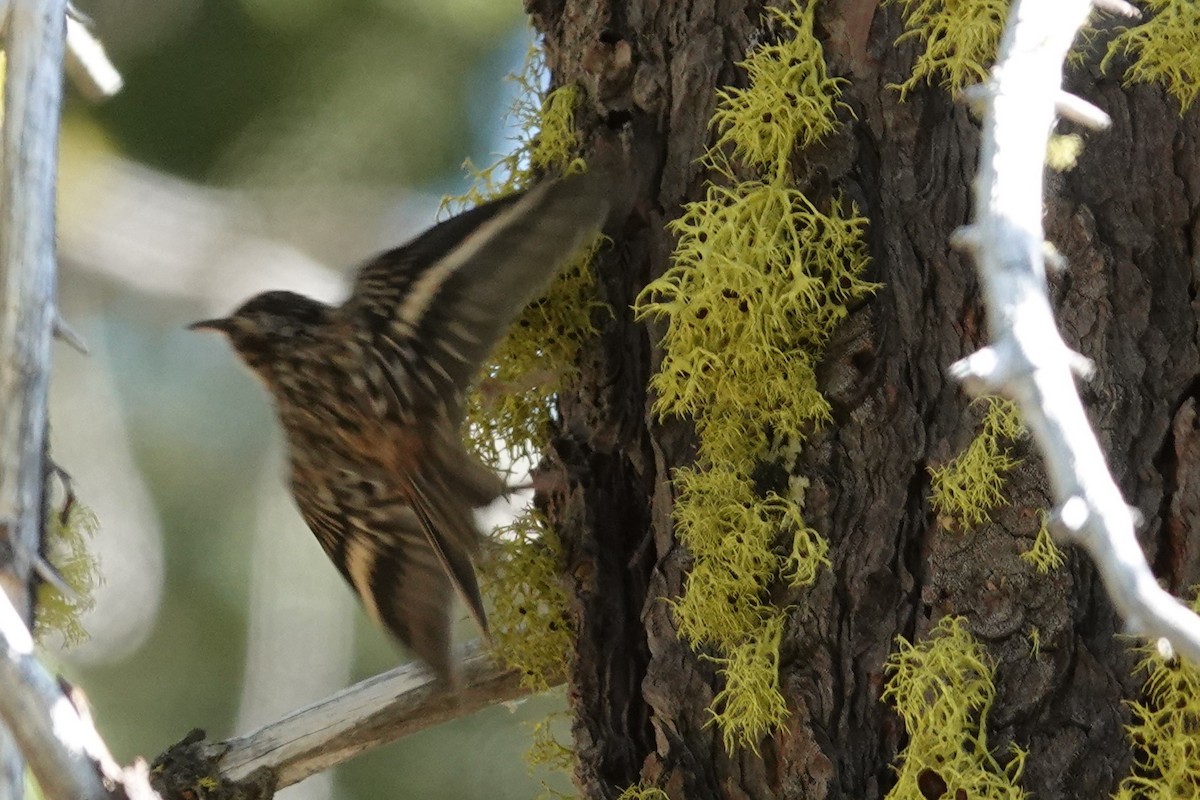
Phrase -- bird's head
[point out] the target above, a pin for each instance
(268, 326)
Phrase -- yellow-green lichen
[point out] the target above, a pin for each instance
(750, 705)
(521, 575)
(1063, 150)
(509, 413)
(959, 40)
(545, 139)
(1165, 49)
(67, 539)
(736, 537)
(643, 792)
(760, 277)
(1167, 758)
(536, 361)
(547, 753)
(791, 99)
(943, 690)
(971, 485)
(1044, 556)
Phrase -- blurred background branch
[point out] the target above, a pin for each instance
(28, 157)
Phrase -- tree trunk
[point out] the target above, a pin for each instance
(1126, 220)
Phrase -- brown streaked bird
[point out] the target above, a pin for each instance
(370, 395)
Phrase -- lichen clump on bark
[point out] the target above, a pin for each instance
(966, 489)
(512, 405)
(1164, 729)
(1165, 49)
(943, 689)
(960, 38)
(970, 486)
(642, 792)
(760, 277)
(1044, 556)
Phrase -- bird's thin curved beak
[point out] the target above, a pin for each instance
(220, 325)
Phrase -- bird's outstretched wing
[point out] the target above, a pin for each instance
(429, 313)
(434, 308)
(382, 550)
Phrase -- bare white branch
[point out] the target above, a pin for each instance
(1028, 360)
(1078, 110)
(1118, 7)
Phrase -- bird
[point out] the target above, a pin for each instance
(370, 395)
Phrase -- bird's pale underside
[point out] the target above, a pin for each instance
(370, 395)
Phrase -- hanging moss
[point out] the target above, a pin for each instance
(943, 689)
(759, 279)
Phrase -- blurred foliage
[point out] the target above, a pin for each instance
(311, 90)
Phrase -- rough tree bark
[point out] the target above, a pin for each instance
(1126, 220)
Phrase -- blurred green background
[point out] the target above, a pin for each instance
(257, 144)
